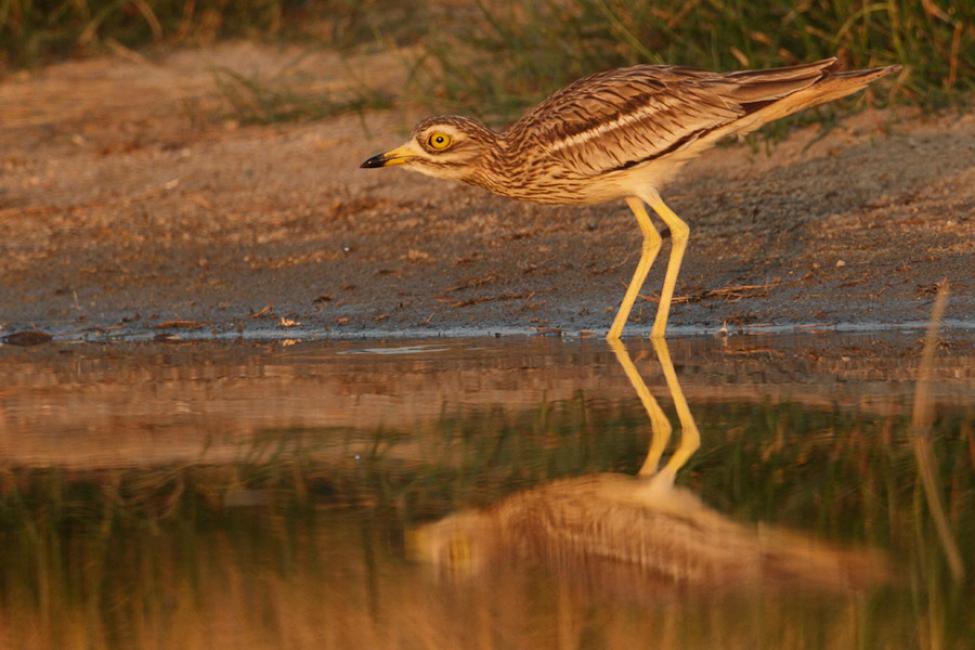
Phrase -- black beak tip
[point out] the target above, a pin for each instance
(376, 161)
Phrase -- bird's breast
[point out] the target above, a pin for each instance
(542, 179)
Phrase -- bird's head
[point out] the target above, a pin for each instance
(446, 146)
(458, 546)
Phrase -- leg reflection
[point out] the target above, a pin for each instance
(634, 535)
(660, 428)
(659, 424)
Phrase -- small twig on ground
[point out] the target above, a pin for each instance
(736, 292)
(487, 278)
(502, 296)
(730, 293)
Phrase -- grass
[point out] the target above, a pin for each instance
(255, 101)
(35, 32)
(506, 56)
(493, 59)
(95, 557)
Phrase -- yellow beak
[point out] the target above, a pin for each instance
(396, 156)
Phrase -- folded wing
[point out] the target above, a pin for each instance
(616, 120)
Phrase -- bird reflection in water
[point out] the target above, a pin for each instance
(638, 532)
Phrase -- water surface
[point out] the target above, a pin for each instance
(487, 493)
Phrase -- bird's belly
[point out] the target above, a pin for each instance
(556, 185)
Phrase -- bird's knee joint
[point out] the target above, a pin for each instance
(680, 232)
(651, 243)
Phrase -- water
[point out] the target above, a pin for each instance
(487, 493)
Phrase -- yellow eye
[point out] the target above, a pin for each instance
(439, 140)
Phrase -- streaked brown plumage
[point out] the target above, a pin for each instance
(640, 531)
(621, 134)
(657, 533)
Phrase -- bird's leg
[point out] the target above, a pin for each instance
(651, 246)
(660, 428)
(679, 232)
(690, 437)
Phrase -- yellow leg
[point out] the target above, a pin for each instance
(690, 437)
(679, 233)
(651, 246)
(660, 428)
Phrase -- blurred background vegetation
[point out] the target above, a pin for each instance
(494, 58)
(128, 556)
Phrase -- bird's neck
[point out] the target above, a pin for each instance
(496, 170)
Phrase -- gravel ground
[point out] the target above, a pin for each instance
(129, 206)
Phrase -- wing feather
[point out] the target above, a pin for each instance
(621, 118)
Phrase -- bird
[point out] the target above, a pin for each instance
(639, 530)
(621, 134)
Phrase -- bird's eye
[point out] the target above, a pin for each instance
(439, 140)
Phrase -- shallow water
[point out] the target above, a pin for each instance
(487, 493)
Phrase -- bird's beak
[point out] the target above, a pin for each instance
(388, 159)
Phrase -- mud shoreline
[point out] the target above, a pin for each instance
(130, 211)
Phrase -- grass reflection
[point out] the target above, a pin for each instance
(299, 541)
(640, 535)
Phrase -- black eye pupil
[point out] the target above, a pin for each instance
(439, 139)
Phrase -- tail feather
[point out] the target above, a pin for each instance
(832, 86)
(755, 86)
(866, 74)
(778, 93)
(815, 68)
